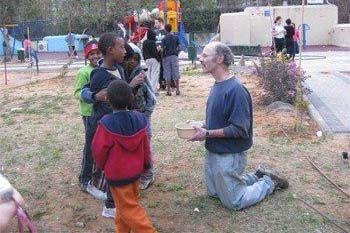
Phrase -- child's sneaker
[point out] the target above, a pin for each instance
(108, 212)
(96, 193)
(146, 183)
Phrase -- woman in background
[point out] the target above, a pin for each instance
(278, 34)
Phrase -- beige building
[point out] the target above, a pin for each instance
(253, 26)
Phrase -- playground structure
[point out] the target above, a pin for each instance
(170, 10)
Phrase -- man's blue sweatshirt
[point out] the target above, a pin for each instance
(229, 106)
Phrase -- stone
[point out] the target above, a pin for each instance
(80, 224)
(280, 106)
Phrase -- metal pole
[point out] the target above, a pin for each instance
(165, 11)
(299, 87)
(5, 70)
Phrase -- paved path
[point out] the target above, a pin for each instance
(330, 83)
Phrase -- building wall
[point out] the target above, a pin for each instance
(235, 28)
(341, 35)
(320, 18)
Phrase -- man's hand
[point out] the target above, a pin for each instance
(137, 80)
(200, 134)
(101, 95)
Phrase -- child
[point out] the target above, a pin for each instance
(170, 60)
(91, 53)
(113, 51)
(144, 100)
(152, 59)
(121, 148)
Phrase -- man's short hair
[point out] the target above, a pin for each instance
(160, 20)
(119, 94)
(106, 41)
(223, 50)
(168, 27)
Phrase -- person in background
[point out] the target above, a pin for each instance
(289, 38)
(152, 59)
(92, 54)
(27, 44)
(121, 148)
(279, 32)
(171, 48)
(70, 39)
(160, 33)
(296, 39)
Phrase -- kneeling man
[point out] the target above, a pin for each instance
(228, 134)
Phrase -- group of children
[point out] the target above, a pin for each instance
(286, 37)
(116, 103)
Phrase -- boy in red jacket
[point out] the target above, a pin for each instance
(121, 148)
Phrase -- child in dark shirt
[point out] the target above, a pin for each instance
(121, 148)
(144, 101)
(113, 51)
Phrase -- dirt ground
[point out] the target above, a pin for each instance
(41, 148)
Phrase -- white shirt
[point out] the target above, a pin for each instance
(279, 31)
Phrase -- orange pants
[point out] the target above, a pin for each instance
(131, 216)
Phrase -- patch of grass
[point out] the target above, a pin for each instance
(78, 207)
(38, 213)
(308, 218)
(6, 145)
(279, 140)
(48, 156)
(203, 202)
(170, 187)
(191, 71)
(8, 120)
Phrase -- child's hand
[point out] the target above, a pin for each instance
(140, 78)
(101, 95)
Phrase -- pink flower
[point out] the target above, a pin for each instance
(291, 93)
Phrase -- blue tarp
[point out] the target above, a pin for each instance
(59, 44)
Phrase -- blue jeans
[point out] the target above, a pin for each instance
(149, 174)
(226, 179)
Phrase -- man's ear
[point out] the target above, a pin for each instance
(109, 50)
(220, 59)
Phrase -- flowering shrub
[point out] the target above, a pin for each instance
(279, 78)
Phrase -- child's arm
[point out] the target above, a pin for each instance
(101, 145)
(150, 99)
(80, 81)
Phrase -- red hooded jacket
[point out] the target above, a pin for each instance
(121, 147)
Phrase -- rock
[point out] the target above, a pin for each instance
(319, 134)
(280, 106)
(16, 109)
(80, 224)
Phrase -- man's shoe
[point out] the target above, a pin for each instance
(145, 184)
(108, 212)
(96, 193)
(278, 180)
